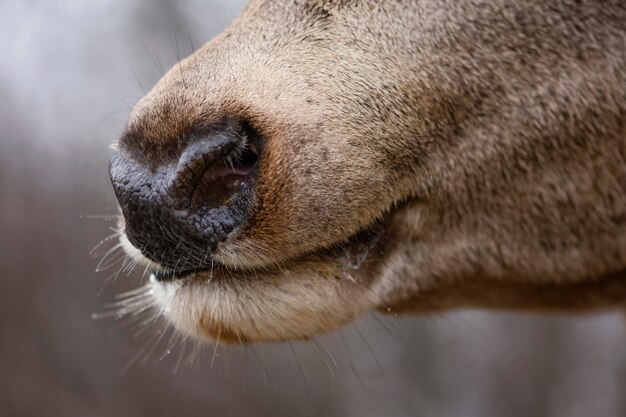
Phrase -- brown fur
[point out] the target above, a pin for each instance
(484, 140)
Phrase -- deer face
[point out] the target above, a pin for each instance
(323, 158)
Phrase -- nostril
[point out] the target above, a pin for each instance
(248, 159)
(224, 178)
(249, 156)
(200, 156)
(240, 163)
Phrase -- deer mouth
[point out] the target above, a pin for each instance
(304, 296)
(354, 257)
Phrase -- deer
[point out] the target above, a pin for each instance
(322, 159)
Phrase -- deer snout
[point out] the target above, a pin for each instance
(178, 210)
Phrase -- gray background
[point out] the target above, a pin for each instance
(69, 70)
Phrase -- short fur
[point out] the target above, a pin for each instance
(483, 143)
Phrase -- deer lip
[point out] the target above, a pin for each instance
(365, 247)
(167, 275)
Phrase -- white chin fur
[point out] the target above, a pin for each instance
(286, 305)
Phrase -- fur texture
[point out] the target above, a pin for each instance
(419, 155)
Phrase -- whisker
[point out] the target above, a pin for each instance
(180, 356)
(138, 320)
(328, 352)
(130, 108)
(322, 356)
(145, 270)
(194, 355)
(155, 60)
(369, 347)
(140, 352)
(261, 360)
(161, 332)
(100, 216)
(131, 266)
(180, 68)
(119, 271)
(111, 251)
(295, 357)
(141, 290)
(130, 301)
(348, 360)
(138, 80)
(171, 344)
(217, 343)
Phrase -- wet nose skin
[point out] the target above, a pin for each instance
(178, 212)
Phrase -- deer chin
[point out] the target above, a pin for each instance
(296, 299)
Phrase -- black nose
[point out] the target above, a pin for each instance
(177, 210)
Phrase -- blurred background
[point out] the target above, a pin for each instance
(69, 72)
